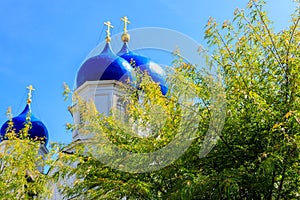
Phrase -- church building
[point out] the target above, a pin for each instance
(98, 79)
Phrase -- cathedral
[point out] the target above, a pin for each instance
(98, 79)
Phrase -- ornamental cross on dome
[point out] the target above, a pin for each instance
(126, 21)
(108, 24)
(30, 89)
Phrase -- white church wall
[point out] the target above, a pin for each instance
(105, 94)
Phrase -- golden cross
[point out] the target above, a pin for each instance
(126, 21)
(108, 24)
(30, 89)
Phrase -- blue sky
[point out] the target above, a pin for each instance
(43, 43)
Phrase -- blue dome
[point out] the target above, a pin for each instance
(38, 130)
(145, 65)
(105, 66)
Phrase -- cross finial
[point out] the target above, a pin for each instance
(126, 21)
(30, 89)
(108, 24)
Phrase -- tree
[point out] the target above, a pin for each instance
(151, 121)
(257, 155)
(21, 166)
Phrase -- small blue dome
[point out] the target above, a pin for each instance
(38, 130)
(105, 66)
(145, 65)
